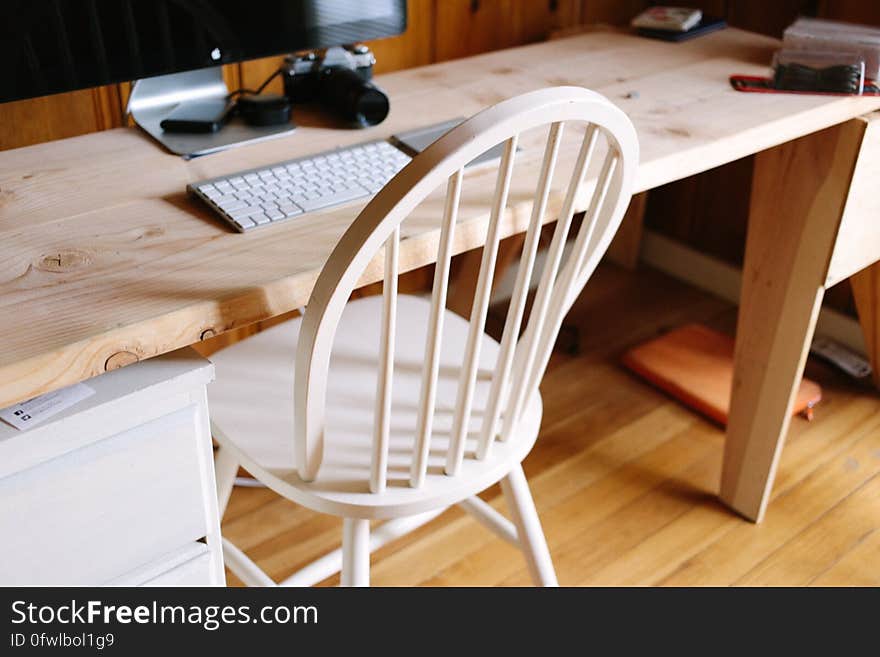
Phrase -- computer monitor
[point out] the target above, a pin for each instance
(51, 46)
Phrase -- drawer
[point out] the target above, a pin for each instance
(191, 565)
(98, 512)
(195, 572)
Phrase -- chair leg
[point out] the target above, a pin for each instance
(355, 552)
(528, 527)
(225, 469)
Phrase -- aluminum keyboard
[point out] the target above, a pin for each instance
(289, 190)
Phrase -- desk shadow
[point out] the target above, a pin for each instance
(671, 486)
(197, 209)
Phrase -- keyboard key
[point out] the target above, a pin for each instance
(231, 206)
(289, 209)
(325, 201)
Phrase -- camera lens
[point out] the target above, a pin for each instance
(345, 92)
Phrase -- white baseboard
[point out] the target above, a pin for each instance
(723, 280)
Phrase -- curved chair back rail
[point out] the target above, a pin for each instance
(521, 359)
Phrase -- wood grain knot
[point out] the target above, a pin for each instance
(64, 261)
(678, 132)
(120, 359)
(154, 231)
(207, 333)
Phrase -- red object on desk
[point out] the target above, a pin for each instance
(756, 84)
(694, 364)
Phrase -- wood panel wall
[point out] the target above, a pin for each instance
(707, 212)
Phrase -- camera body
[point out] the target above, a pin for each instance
(339, 79)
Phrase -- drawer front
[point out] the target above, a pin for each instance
(195, 572)
(98, 512)
(190, 565)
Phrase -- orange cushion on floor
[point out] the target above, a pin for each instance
(694, 364)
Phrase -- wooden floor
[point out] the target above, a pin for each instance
(625, 479)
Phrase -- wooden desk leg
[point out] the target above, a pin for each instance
(799, 190)
(866, 290)
(624, 248)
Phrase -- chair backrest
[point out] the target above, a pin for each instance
(521, 359)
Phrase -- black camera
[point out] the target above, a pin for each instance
(339, 79)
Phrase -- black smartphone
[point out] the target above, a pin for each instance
(198, 116)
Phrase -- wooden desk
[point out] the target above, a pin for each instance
(105, 261)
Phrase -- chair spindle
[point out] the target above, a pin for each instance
(379, 463)
(510, 335)
(479, 310)
(428, 392)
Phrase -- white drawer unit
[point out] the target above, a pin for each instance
(117, 489)
(190, 565)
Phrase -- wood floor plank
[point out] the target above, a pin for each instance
(289, 551)
(858, 567)
(659, 554)
(596, 545)
(817, 548)
(265, 522)
(419, 561)
(246, 500)
(738, 550)
(676, 544)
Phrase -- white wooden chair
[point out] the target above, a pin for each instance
(401, 408)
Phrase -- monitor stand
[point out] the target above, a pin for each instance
(152, 99)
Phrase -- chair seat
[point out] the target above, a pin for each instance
(251, 405)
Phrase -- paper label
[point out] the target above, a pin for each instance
(33, 411)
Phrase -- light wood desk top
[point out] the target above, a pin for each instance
(104, 259)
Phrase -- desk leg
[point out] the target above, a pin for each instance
(866, 290)
(624, 248)
(798, 193)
